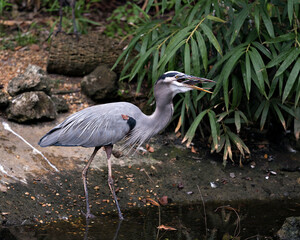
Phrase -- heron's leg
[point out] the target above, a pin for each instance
(84, 175)
(60, 16)
(73, 18)
(108, 150)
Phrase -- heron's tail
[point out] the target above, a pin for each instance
(50, 139)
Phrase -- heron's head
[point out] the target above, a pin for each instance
(177, 82)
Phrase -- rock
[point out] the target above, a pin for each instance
(290, 230)
(3, 100)
(100, 85)
(31, 106)
(60, 104)
(33, 79)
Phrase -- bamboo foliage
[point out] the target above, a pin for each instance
(249, 48)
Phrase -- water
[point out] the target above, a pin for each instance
(248, 220)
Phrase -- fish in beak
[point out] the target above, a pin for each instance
(191, 81)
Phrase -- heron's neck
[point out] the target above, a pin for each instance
(163, 113)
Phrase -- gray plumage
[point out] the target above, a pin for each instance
(107, 124)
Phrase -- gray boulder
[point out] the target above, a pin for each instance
(31, 106)
(101, 85)
(3, 100)
(290, 230)
(33, 79)
(60, 104)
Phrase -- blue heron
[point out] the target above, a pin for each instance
(106, 124)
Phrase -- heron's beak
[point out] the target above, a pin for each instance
(191, 81)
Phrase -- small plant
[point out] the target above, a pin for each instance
(82, 22)
(124, 20)
(4, 5)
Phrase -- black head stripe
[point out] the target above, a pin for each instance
(165, 75)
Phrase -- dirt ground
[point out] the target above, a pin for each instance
(33, 192)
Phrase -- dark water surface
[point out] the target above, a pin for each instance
(248, 220)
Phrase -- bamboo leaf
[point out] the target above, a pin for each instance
(248, 76)
(216, 19)
(213, 127)
(263, 49)
(268, 23)
(211, 37)
(288, 61)
(297, 93)
(264, 115)
(282, 38)
(164, 60)
(154, 66)
(256, 19)
(243, 116)
(227, 150)
(240, 19)
(195, 58)
(259, 110)
(237, 121)
(203, 50)
(238, 142)
(273, 87)
(258, 68)
(291, 80)
(290, 6)
(141, 62)
(191, 132)
(278, 59)
(279, 114)
(187, 59)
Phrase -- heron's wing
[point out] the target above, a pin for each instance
(94, 126)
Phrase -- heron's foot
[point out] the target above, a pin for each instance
(88, 215)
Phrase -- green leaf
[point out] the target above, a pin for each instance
(288, 61)
(264, 115)
(258, 68)
(154, 66)
(278, 59)
(203, 50)
(166, 57)
(238, 142)
(187, 59)
(244, 117)
(273, 87)
(290, 5)
(137, 67)
(259, 110)
(268, 23)
(227, 68)
(282, 38)
(256, 19)
(211, 37)
(216, 19)
(238, 22)
(248, 76)
(279, 114)
(297, 93)
(291, 80)
(195, 58)
(213, 127)
(191, 132)
(263, 49)
(237, 121)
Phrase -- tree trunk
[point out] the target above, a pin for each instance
(78, 57)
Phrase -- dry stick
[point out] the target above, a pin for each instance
(238, 225)
(205, 220)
